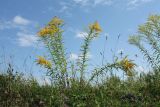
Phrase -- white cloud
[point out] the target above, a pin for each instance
(73, 57)
(134, 3)
(64, 8)
(67, 6)
(26, 40)
(21, 26)
(20, 20)
(103, 2)
(129, 3)
(82, 2)
(93, 2)
(6, 25)
(81, 35)
(17, 22)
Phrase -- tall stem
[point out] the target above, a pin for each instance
(85, 49)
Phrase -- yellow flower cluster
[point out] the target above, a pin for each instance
(127, 65)
(44, 32)
(56, 21)
(42, 61)
(48, 31)
(51, 28)
(95, 27)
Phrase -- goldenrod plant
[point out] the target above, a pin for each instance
(149, 34)
(94, 30)
(69, 86)
(51, 35)
(124, 64)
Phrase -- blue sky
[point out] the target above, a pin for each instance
(20, 20)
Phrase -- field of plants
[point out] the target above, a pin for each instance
(69, 86)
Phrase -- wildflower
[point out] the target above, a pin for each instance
(44, 32)
(48, 31)
(127, 66)
(42, 61)
(51, 28)
(95, 27)
(56, 21)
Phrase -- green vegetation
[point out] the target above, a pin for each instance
(70, 88)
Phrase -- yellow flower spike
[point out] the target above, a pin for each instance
(48, 31)
(127, 65)
(52, 28)
(95, 27)
(44, 32)
(42, 61)
(56, 21)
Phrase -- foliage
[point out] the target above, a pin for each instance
(70, 88)
(143, 91)
(147, 40)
